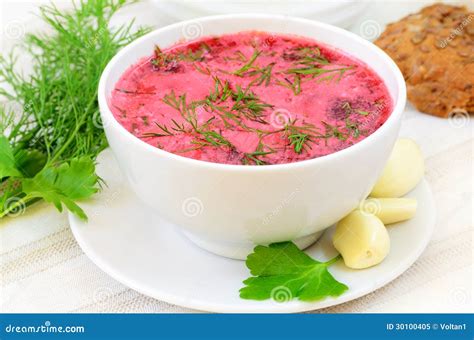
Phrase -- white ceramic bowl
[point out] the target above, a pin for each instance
(227, 209)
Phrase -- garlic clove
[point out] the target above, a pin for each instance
(362, 240)
(403, 171)
(390, 210)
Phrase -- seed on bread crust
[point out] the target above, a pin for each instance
(434, 49)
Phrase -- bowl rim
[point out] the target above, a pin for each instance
(392, 120)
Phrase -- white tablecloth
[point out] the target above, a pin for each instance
(44, 270)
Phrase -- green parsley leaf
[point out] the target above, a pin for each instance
(78, 179)
(7, 160)
(64, 184)
(30, 162)
(284, 268)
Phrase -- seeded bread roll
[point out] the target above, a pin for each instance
(434, 49)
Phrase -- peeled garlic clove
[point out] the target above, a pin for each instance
(390, 210)
(362, 240)
(402, 172)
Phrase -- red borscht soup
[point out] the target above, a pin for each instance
(251, 98)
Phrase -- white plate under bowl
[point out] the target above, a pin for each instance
(134, 246)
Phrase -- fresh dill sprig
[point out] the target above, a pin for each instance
(204, 136)
(335, 131)
(238, 56)
(299, 140)
(294, 85)
(255, 158)
(221, 91)
(197, 55)
(177, 127)
(243, 103)
(259, 152)
(180, 104)
(226, 114)
(204, 70)
(310, 56)
(211, 138)
(300, 136)
(315, 70)
(164, 131)
(264, 75)
(352, 128)
(230, 105)
(163, 59)
(57, 127)
(249, 105)
(248, 65)
(309, 61)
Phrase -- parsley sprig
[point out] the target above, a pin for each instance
(61, 184)
(284, 267)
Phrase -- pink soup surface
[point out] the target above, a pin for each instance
(250, 98)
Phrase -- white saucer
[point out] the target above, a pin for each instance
(135, 247)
